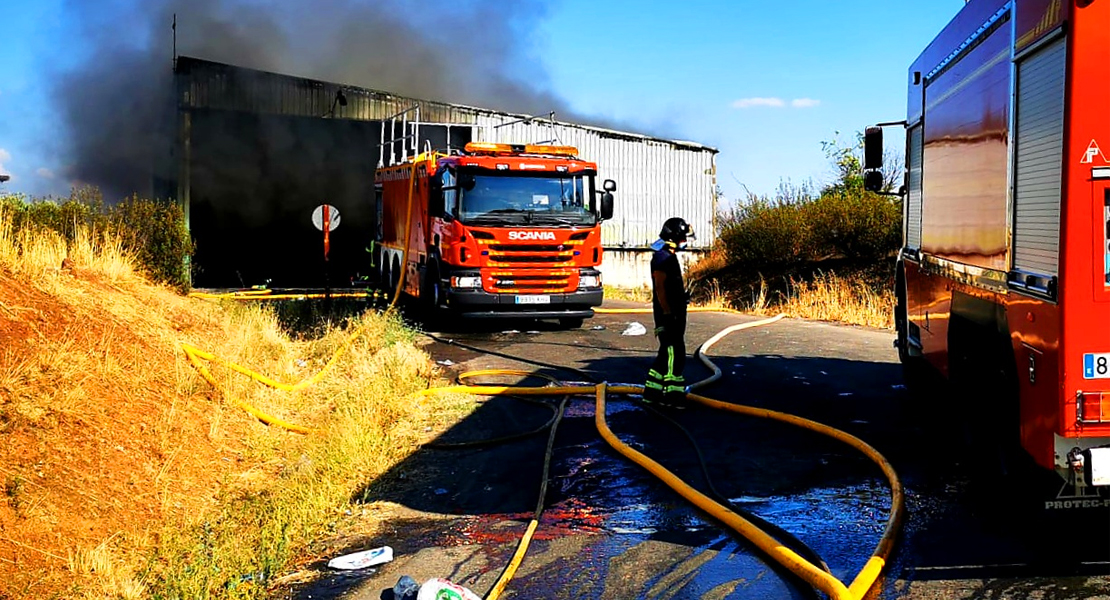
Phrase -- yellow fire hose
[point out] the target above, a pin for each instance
(807, 571)
(255, 296)
(196, 354)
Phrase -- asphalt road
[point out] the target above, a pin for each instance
(610, 530)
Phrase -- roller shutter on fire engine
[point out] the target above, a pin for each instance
(913, 203)
(1038, 149)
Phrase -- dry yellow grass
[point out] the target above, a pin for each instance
(34, 251)
(104, 573)
(830, 297)
(634, 294)
(852, 299)
(171, 491)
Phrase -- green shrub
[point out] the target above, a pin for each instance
(765, 232)
(152, 231)
(156, 234)
(777, 235)
(65, 217)
(859, 226)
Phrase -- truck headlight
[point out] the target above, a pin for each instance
(468, 281)
(589, 281)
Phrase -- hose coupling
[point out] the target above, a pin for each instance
(1075, 460)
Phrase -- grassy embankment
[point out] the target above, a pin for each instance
(125, 475)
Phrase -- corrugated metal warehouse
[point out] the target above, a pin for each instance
(257, 152)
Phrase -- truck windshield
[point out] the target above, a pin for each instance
(515, 198)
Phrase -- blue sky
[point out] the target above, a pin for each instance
(765, 82)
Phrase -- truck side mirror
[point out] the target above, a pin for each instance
(873, 181)
(873, 148)
(606, 206)
(873, 159)
(609, 185)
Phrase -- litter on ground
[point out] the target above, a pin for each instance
(361, 560)
(438, 588)
(634, 328)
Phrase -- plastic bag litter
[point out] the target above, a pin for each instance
(597, 328)
(447, 362)
(442, 589)
(406, 588)
(361, 560)
(634, 328)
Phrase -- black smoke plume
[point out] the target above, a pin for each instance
(115, 96)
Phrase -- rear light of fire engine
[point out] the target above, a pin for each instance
(1092, 407)
(466, 281)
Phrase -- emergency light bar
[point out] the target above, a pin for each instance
(553, 150)
(492, 148)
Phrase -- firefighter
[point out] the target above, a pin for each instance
(665, 384)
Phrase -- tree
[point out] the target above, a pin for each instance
(848, 162)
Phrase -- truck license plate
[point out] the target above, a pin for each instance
(533, 299)
(1096, 366)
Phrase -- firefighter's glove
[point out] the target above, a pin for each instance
(666, 324)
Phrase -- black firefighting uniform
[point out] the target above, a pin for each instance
(665, 379)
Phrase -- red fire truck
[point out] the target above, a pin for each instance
(494, 230)
(1003, 283)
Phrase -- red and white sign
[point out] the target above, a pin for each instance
(332, 217)
(1092, 151)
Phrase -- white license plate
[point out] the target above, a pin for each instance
(1096, 366)
(533, 299)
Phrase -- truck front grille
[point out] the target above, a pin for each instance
(532, 282)
(530, 254)
(527, 248)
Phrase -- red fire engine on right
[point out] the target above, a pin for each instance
(1003, 282)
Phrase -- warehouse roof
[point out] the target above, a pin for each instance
(206, 84)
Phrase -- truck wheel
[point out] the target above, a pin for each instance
(901, 318)
(915, 372)
(431, 297)
(985, 390)
(394, 276)
(376, 265)
(571, 322)
(387, 276)
(431, 289)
